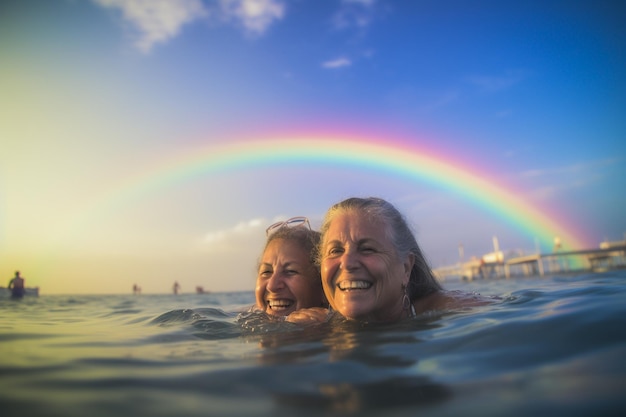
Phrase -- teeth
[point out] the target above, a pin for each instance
(279, 303)
(354, 285)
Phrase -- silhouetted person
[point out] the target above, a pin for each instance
(176, 287)
(16, 285)
(136, 289)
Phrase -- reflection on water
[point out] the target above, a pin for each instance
(350, 398)
(356, 367)
(549, 346)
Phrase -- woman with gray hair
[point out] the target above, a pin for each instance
(372, 268)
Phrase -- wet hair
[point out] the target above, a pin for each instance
(305, 238)
(422, 281)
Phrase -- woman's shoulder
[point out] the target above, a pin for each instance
(309, 315)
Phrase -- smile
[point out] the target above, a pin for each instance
(354, 285)
(279, 304)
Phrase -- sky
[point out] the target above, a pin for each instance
(146, 142)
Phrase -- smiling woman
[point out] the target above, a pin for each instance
(372, 267)
(288, 278)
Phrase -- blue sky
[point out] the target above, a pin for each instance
(95, 93)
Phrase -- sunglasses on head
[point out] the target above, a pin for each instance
(293, 222)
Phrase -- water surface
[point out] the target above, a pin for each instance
(547, 346)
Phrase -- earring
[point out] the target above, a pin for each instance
(406, 303)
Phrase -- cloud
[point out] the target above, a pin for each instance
(548, 191)
(533, 173)
(254, 15)
(354, 13)
(156, 21)
(494, 83)
(243, 229)
(246, 237)
(582, 167)
(337, 63)
(554, 180)
(240, 229)
(442, 100)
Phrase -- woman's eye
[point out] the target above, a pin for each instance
(367, 249)
(335, 251)
(265, 273)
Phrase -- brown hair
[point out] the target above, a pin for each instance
(307, 239)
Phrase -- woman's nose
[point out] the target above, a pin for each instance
(275, 282)
(349, 260)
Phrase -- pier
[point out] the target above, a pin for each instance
(610, 255)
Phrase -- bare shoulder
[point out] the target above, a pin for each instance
(308, 315)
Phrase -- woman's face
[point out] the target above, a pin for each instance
(287, 280)
(362, 276)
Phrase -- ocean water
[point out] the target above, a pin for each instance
(547, 346)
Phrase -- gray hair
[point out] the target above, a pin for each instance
(304, 237)
(422, 281)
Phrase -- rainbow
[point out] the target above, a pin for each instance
(400, 159)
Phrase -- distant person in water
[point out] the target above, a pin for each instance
(136, 289)
(176, 288)
(16, 286)
(288, 277)
(372, 268)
